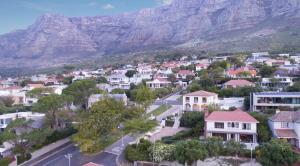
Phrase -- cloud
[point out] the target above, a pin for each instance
(108, 6)
(164, 2)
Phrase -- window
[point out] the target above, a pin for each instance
(233, 125)
(284, 125)
(246, 126)
(204, 100)
(219, 125)
(187, 99)
(1, 121)
(195, 99)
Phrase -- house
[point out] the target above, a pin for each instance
(237, 125)
(274, 100)
(97, 97)
(242, 72)
(201, 66)
(276, 83)
(286, 125)
(277, 62)
(183, 74)
(30, 87)
(158, 83)
(227, 103)
(5, 119)
(237, 84)
(199, 100)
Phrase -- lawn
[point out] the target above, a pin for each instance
(161, 109)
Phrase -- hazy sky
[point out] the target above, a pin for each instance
(18, 14)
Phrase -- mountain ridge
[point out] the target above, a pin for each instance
(55, 39)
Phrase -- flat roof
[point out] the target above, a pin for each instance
(278, 93)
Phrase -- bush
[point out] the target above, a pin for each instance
(59, 134)
(191, 119)
(177, 137)
(162, 92)
(162, 152)
(138, 152)
(22, 159)
(5, 161)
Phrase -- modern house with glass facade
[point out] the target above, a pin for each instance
(275, 100)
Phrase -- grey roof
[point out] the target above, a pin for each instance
(286, 116)
(278, 93)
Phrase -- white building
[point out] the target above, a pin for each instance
(274, 100)
(158, 83)
(199, 100)
(5, 119)
(237, 125)
(227, 103)
(286, 125)
(276, 83)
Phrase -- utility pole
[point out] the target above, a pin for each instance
(69, 156)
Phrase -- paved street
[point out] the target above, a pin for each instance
(107, 158)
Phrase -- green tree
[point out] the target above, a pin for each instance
(6, 101)
(130, 73)
(294, 88)
(267, 71)
(234, 148)
(96, 126)
(52, 105)
(81, 91)
(101, 80)
(187, 152)
(39, 92)
(263, 129)
(214, 146)
(144, 96)
(276, 153)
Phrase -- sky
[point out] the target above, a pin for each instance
(18, 14)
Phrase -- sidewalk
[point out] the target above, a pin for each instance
(45, 150)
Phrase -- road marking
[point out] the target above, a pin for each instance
(52, 154)
(58, 158)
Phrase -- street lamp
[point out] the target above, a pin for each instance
(69, 156)
(121, 127)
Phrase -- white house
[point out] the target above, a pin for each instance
(5, 119)
(199, 100)
(286, 125)
(158, 83)
(237, 125)
(274, 100)
(276, 83)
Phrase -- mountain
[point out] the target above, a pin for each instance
(217, 25)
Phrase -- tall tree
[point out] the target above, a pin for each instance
(95, 127)
(52, 105)
(144, 96)
(276, 153)
(81, 91)
(130, 73)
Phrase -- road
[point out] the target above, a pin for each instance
(106, 158)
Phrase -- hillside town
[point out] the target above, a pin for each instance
(242, 109)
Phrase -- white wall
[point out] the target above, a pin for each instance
(211, 127)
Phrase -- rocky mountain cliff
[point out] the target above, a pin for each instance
(223, 25)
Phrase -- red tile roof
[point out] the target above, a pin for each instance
(201, 93)
(235, 116)
(285, 133)
(239, 83)
(242, 69)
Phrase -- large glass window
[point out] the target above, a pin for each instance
(246, 126)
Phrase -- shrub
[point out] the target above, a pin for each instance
(5, 161)
(191, 119)
(177, 137)
(22, 159)
(138, 152)
(60, 134)
(162, 152)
